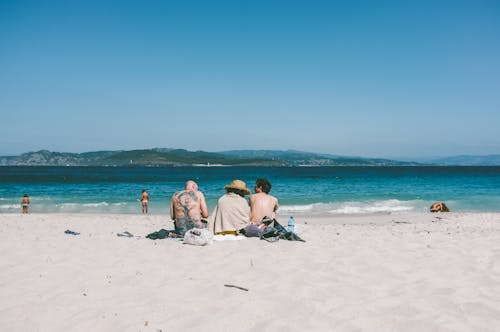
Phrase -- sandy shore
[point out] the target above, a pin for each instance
(397, 272)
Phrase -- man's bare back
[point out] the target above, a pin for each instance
(261, 203)
(188, 207)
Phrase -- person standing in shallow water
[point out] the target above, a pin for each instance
(145, 201)
(25, 203)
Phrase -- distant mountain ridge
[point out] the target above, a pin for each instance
(181, 157)
(468, 160)
(301, 158)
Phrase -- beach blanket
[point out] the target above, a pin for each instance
(229, 237)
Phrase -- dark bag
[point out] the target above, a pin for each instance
(252, 230)
(270, 234)
(256, 230)
(161, 234)
(273, 234)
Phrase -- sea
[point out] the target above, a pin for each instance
(300, 190)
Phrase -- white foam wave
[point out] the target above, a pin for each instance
(10, 206)
(96, 207)
(74, 205)
(44, 198)
(297, 208)
(96, 204)
(384, 206)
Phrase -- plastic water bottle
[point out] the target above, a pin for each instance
(291, 224)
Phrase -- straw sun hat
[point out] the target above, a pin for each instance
(239, 185)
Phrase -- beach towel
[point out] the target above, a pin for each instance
(229, 238)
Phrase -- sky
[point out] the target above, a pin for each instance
(355, 78)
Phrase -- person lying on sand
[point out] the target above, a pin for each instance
(439, 207)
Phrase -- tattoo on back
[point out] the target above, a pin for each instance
(185, 201)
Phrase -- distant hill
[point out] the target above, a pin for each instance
(180, 157)
(467, 160)
(300, 158)
(151, 157)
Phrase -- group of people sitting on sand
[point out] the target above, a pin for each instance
(233, 213)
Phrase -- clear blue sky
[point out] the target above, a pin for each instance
(358, 78)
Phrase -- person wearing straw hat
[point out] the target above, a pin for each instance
(232, 212)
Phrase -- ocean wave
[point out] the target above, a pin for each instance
(357, 207)
(9, 206)
(95, 204)
(42, 198)
(90, 205)
(299, 208)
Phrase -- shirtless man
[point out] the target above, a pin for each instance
(145, 201)
(187, 208)
(261, 203)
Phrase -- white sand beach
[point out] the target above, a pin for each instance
(392, 272)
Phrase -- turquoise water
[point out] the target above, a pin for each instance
(321, 190)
